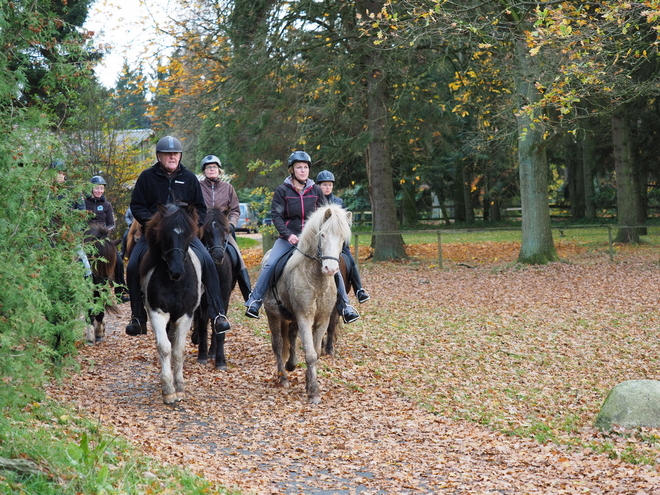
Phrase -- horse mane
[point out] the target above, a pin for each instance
(216, 214)
(173, 216)
(328, 218)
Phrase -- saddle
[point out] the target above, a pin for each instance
(275, 273)
(232, 252)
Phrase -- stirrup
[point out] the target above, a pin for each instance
(222, 326)
(252, 310)
(362, 296)
(349, 315)
(136, 327)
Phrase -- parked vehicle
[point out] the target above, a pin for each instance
(248, 221)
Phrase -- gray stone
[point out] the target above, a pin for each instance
(631, 404)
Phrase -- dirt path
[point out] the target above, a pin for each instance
(238, 428)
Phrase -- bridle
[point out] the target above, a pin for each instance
(183, 252)
(319, 254)
(223, 247)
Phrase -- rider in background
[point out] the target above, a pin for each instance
(221, 194)
(102, 213)
(293, 201)
(166, 182)
(60, 178)
(326, 181)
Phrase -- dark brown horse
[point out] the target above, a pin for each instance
(102, 261)
(214, 235)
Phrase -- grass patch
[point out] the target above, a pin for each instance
(78, 456)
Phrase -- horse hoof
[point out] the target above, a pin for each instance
(315, 399)
(180, 396)
(99, 339)
(221, 367)
(170, 398)
(202, 361)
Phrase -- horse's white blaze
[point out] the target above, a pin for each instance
(178, 231)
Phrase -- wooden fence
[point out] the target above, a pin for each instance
(439, 232)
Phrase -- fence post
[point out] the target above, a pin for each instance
(357, 257)
(439, 249)
(609, 238)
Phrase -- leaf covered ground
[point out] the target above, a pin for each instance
(484, 376)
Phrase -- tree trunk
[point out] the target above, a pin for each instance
(627, 181)
(467, 195)
(575, 177)
(459, 194)
(588, 164)
(379, 166)
(537, 244)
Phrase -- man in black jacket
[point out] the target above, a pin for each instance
(166, 182)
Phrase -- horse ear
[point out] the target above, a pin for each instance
(190, 208)
(349, 217)
(328, 214)
(162, 208)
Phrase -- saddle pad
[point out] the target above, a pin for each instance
(278, 267)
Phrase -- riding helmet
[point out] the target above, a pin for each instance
(325, 176)
(208, 159)
(169, 144)
(299, 156)
(98, 180)
(58, 165)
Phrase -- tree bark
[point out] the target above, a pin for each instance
(537, 245)
(588, 164)
(378, 161)
(628, 187)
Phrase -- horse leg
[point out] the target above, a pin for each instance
(277, 342)
(319, 330)
(200, 335)
(292, 362)
(218, 349)
(159, 326)
(99, 327)
(311, 358)
(331, 335)
(181, 327)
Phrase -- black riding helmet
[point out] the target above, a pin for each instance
(98, 180)
(299, 156)
(325, 176)
(169, 144)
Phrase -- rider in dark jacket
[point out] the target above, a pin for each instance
(293, 201)
(166, 182)
(101, 208)
(326, 181)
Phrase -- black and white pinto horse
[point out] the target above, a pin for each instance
(215, 236)
(102, 262)
(305, 295)
(171, 278)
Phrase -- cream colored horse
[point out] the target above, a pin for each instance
(306, 294)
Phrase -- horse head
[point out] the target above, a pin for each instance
(170, 232)
(324, 235)
(215, 233)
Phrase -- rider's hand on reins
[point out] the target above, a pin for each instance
(293, 239)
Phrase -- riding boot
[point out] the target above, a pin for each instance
(244, 283)
(345, 310)
(360, 293)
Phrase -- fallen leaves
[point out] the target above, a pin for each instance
(440, 360)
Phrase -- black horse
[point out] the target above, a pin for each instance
(215, 235)
(102, 261)
(171, 278)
